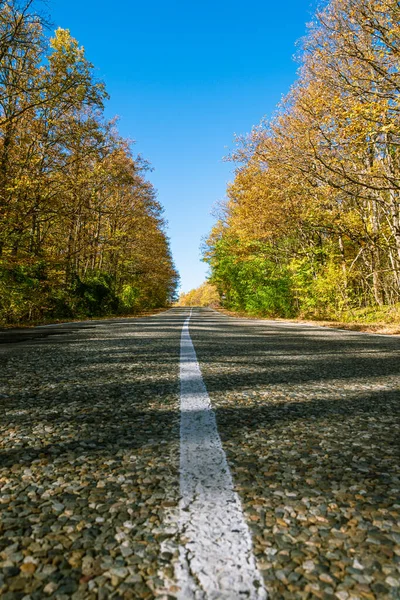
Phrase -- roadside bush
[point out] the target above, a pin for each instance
(23, 292)
(95, 294)
(129, 298)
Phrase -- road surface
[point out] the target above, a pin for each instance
(195, 455)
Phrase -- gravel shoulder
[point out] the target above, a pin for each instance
(310, 422)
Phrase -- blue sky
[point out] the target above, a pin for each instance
(184, 77)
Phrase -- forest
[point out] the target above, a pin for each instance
(311, 224)
(205, 295)
(81, 230)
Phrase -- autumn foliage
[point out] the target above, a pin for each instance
(205, 295)
(81, 230)
(312, 220)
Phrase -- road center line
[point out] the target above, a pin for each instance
(216, 559)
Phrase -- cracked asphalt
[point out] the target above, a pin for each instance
(89, 455)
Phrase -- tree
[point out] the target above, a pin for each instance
(316, 192)
(80, 225)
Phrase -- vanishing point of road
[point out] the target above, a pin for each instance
(192, 455)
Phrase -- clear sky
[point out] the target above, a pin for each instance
(184, 77)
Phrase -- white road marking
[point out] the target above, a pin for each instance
(216, 559)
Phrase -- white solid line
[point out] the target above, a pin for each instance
(216, 559)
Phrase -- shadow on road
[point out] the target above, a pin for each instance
(309, 418)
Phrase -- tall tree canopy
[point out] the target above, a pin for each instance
(312, 219)
(81, 230)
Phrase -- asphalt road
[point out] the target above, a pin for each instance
(90, 456)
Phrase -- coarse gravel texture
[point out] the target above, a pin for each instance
(89, 455)
(89, 460)
(309, 419)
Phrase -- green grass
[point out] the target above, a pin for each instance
(372, 315)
